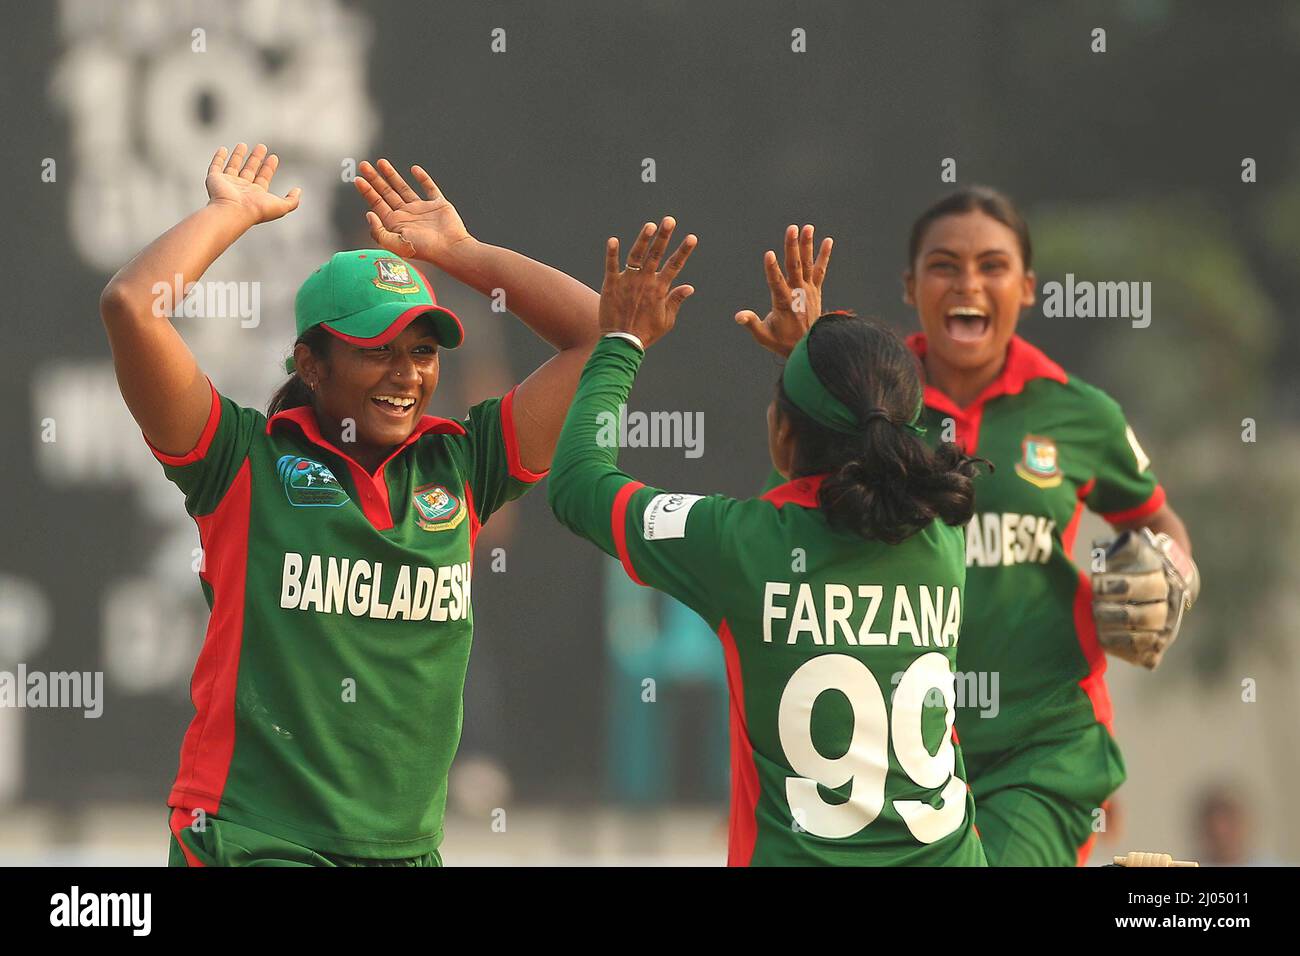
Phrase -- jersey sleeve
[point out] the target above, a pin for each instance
(1123, 486)
(672, 541)
(496, 475)
(205, 473)
(666, 540)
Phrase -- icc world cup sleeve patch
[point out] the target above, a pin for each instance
(665, 516)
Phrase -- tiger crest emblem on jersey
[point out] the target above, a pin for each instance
(309, 484)
(395, 276)
(437, 509)
(1038, 462)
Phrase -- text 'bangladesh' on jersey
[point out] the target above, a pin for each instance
(328, 693)
(1057, 445)
(839, 651)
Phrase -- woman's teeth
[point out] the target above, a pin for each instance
(394, 404)
(966, 324)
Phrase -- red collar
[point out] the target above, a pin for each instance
(1023, 363)
(801, 491)
(305, 418)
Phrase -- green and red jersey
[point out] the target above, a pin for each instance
(328, 693)
(1058, 445)
(839, 651)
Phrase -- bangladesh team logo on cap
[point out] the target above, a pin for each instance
(395, 276)
(1038, 462)
(309, 484)
(437, 509)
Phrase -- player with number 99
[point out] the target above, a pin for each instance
(837, 596)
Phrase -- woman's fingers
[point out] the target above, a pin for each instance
(823, 262)
(648, 249)
(218, 163)
(636, 256)
(395, 180)
(611, 258)
(266, 171)
(431, 190)
(391, 241)
(660, 243)
(678, 258)
(676, 297)
(792, 267)
(235, 162)
(806, 253)
(380, 185)
(254, 161)
(775, 281)
(372, 198)
(757, 328)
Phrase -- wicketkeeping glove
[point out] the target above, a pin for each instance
(1139, 597)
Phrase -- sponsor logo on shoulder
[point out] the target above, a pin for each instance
(1038, 463)
(437, 509)
(665, 516)
(395, 276)
(309, 484)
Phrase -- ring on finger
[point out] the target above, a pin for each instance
(632, 268)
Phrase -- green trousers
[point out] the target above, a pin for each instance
(1043, 804)
(222, 843)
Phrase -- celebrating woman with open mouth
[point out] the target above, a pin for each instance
(337, 529)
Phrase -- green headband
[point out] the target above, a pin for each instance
(810, 396)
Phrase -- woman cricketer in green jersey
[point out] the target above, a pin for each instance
(837, 596)
(338, 529)
(1036, 727)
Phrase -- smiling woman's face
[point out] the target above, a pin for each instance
(968, 285)
(385, 390)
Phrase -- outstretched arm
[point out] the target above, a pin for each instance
(640, 302)
(673, 542)
(161, 382)
(558, 308)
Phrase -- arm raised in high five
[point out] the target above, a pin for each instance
(161, 382)
(638, 302)
(558, 308)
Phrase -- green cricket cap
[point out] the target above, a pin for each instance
(367, 297)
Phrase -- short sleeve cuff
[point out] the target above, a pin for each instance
(511, 436)
(1145, 510)
(200, 449)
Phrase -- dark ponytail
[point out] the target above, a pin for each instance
(884, 483)
(294, 393)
